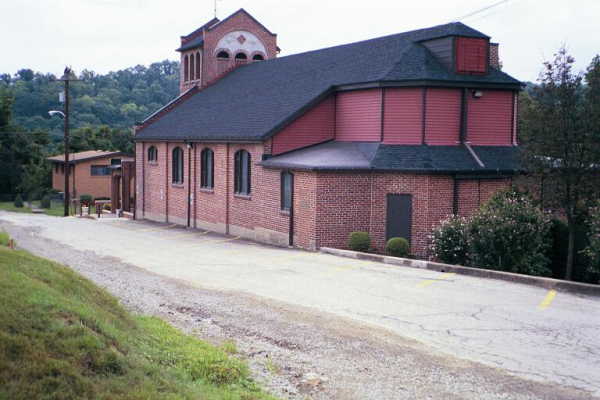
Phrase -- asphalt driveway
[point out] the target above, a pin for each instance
(530, 332)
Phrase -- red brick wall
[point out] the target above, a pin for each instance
(211, 67)
(82, 181)
(328, 205)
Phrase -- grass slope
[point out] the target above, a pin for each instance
(62, 337)
(56, 208)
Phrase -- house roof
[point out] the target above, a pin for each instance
(192, 44)
(399, 158)
(85, 155)
(256, 100)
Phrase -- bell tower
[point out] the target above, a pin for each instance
(219, 46)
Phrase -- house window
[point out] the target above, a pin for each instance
(198, 65)
(241, 56)
(207, 169)
(99, 170)
(223, 54)
(242, 172)
(56, 168)
(177, 173)
(62, 168)
(152, 154)
(258, 57)
(192, 68)
(186, 69)
(115, 161)
(287, 187)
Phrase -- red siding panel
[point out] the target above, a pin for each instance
(471, 55)
(442, 116)
(358, 116)
(315, 126)
(489, 121)
(403, 116)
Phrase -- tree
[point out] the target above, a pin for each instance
(560, 140)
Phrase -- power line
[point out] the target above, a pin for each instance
(473, 13)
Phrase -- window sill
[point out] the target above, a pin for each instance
(242, 196)
(152, 162)
(178, 185)
(285, 212)
(206, 190)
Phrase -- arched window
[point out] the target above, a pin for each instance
(258, 57)
(192, 68)
(152, 154)
(287, 190)
(186, 69)
(223, 54)
(207, 173)
(241, 56)
(198, 65)
(177, 166)
(242, 172)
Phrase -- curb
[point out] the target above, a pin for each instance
(546, 283)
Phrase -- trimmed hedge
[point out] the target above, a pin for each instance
(359, 241)
(397, 247)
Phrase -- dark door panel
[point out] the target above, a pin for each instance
(399, 216)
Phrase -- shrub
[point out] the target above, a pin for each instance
(18, 201)
(46, 202)
(592, 251)
(86, 199)
(359, 241)
(510, 234)
(4, 238)
(449, 242)
(397, 247)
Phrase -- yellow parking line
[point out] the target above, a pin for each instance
(547, 300)
(442, 277)
(188, 234)
(158, 229)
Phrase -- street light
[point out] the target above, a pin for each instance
(67, 77)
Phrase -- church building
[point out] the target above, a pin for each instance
(388, 136)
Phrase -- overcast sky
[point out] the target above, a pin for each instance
(105, 35)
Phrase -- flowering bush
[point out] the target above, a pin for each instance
(592, 251)
(510, 234)
(449, 242)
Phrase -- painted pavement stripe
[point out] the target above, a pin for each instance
(547, 300)
(442, 277)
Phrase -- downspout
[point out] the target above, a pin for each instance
(143, 179)
(195, 188)
(227, 190)
(382, 115)
(291, 229)
(189, 191)
(167, 183)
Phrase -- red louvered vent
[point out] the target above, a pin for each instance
(471, 55)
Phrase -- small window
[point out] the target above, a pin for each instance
(192, 68)
(242, 172)
(258, 57)
(207, 169)
(62, 168)
(241, 56)
(115, 161)
(99, 170)
(186, 69)
(223, 54)
(152, 154)
(287, 188)
(177, 172)
(198, 65)
(56, 168)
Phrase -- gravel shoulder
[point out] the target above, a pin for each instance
(296, 352)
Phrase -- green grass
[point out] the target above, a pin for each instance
(56, 208)
(62, 337)
(9, 206)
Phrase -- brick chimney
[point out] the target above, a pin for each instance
(495, 56)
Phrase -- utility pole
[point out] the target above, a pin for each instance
(66, 78)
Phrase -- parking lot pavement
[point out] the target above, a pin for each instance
(542, 335)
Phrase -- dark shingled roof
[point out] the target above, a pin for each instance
(255, 101)
(400, 158)
(192, 44)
